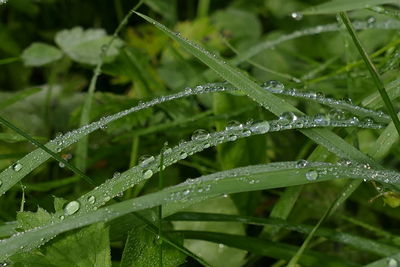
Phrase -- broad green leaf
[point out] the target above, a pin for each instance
(86, 247)
(142, 249)
(336, 6)
(39, 54)
(84, 46)
(28, 220)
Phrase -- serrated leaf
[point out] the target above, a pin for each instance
(28, 220)
(142, 249)
(86, 247)
(39, 54)
(84, 46)
(336, 6)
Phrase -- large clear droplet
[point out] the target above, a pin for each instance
(146, 160)
(200, 134)
(392, 263)
(287, 117)
(261, 127)
(312, 175)
(71, 208)
(302, 163)
(91, 199)
(17, 167)
(274, 86)
(147, 174)
(296, 15)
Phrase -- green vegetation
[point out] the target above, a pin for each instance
(199, 133)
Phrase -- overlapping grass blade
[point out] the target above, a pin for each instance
(244, 179)
(357, 242)
(81, 149)
(45, 149)
(335, 6)
(267, 248)
(372, 70)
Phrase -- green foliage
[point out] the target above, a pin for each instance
(264, 124)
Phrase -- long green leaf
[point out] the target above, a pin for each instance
(244, 179)
(336, 6)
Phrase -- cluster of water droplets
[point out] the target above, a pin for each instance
(277, 87)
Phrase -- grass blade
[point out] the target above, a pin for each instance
(81, 149)
(336, 6)
(258, 177)
(374, 73)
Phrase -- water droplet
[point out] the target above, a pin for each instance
(1, 3)
(371, 21)
(186, 192)
(147, 174)
(116, 175)
(91, 199)
(62, 217)
(200, 134)
(17, 167)
(232, 137)
(368, 121)
(234, 125)
(274, 86)
(261, 127)
(296, 15)
(321, 119)
(287, 117)
(302, 163)
(183, 155)
(71, 208)
(345, 162)
(336, 114)
(354, 121)
(312, 175)
(146, 160)
(61, 164)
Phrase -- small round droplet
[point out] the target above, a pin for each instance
(371, 21)
(183, 155)
(234, 125)
(321, 119)
(274, 86)
(302, 163)
(312, 175)
(116, 175)
(17, 167)
(62, 217)
(147, 174)
(287, 117)
(200, 135)
(61, 164)
(296, 15)
(146, 160)
(71, 208)
(91, 199)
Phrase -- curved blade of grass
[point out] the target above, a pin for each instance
(47, 150)
(9, 177)
(391, 261)
(264, 45)
(348, 189)
(258, 177)
(81, 149)
(274, 104)
(357, 242)
(336, 6)
(267, 248)
(111, 188)
(371, 68)
(36, 157)
(374, 100)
